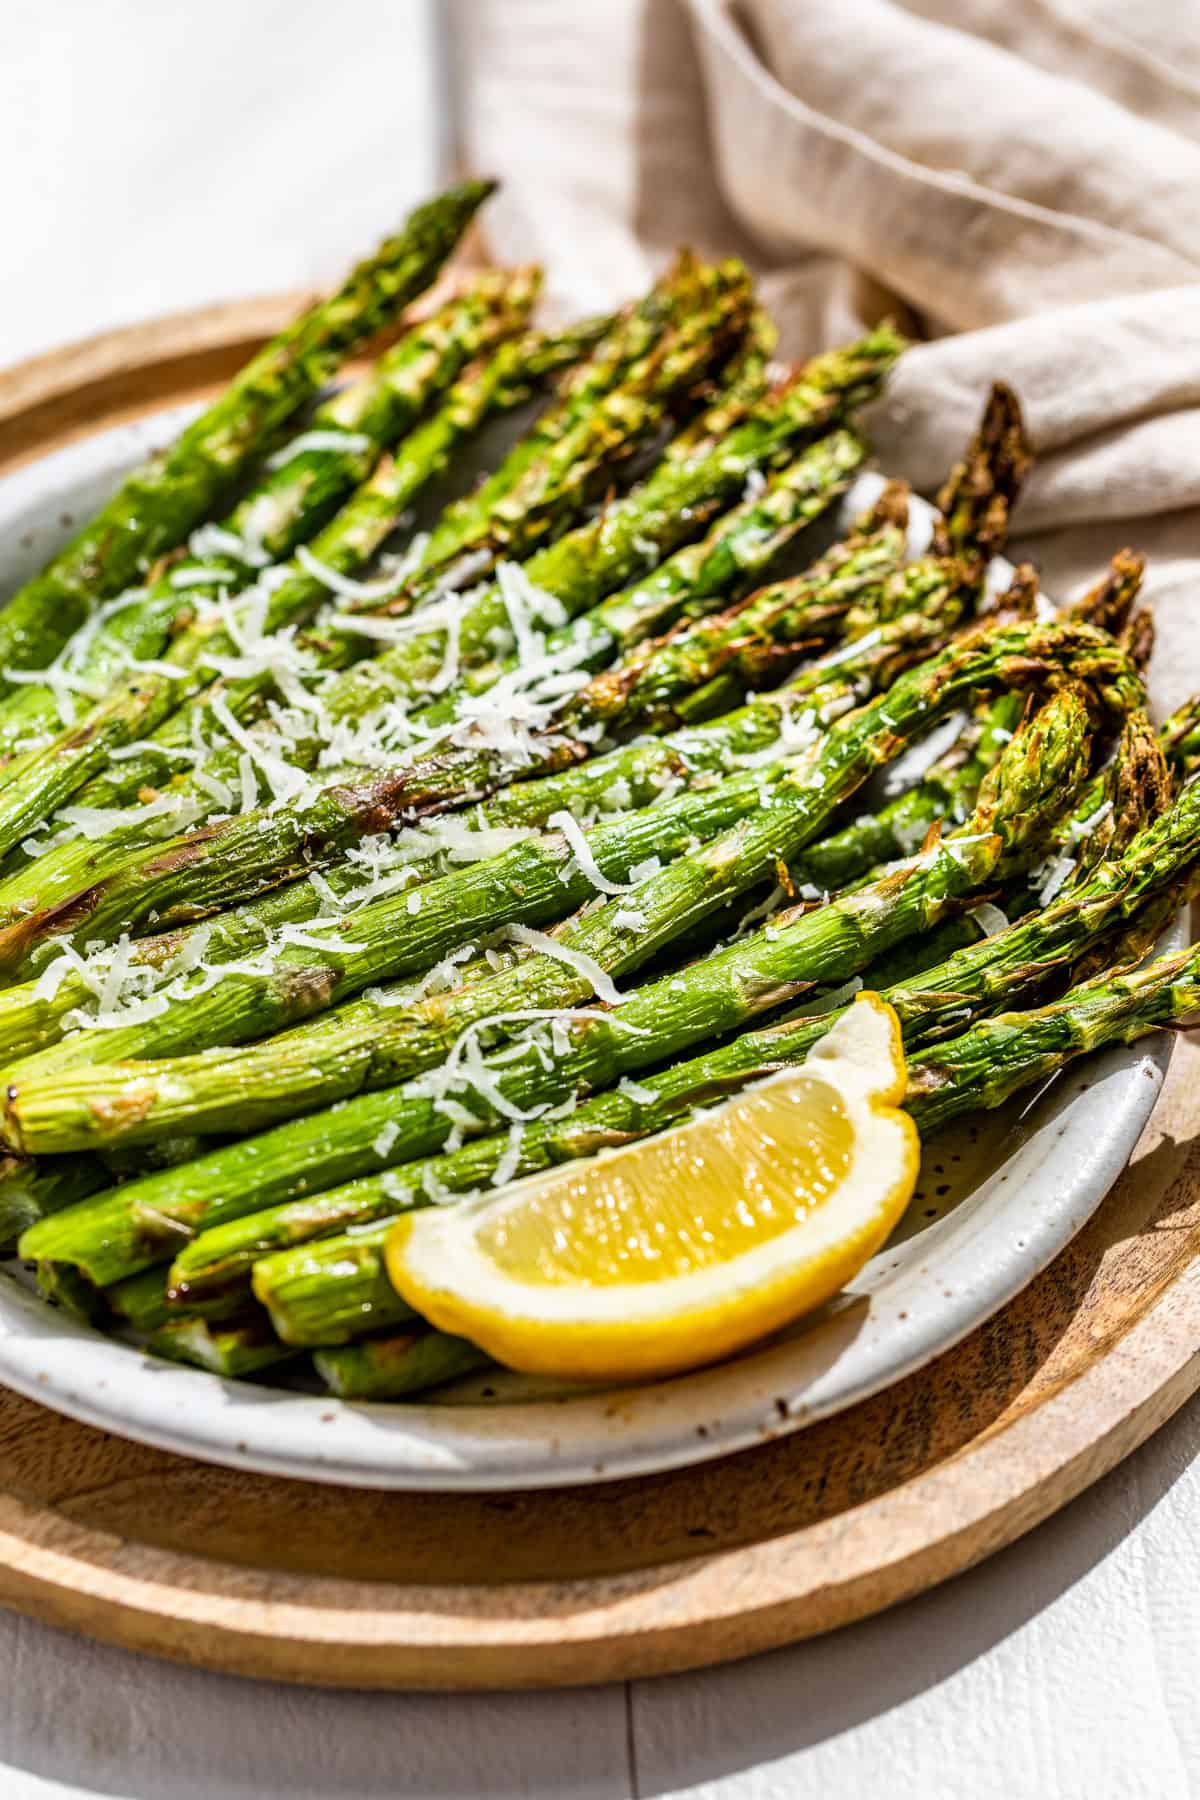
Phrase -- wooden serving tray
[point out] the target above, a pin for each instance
(309, 1583)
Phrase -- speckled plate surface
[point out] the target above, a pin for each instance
(997, 1200)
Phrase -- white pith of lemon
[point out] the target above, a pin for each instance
(681, 1248)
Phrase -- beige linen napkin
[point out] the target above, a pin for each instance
(1018, 180)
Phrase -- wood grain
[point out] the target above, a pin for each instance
(314, 1584)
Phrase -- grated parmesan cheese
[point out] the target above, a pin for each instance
(585, 966)
(352, 443)
(337, 583)
(510, 1159)
(1054, 876)
(836, 997)
(583, 859)
(990, 919)
(382, 1143)
(633, 1090)
(190, 578)
(218, 540)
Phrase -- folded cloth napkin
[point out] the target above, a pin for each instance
(1017, 181)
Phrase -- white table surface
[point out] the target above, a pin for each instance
(151, 166)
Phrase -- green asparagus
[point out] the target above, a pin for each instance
(112, 1236)
(404, 933)
(293, 499)
(51, 776)
(395, 1364)
(161, 501)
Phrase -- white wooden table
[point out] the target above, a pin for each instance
(1065, 1667)
(160, 155)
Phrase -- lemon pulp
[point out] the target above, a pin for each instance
(691, 1199)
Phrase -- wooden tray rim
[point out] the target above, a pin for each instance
(671, 1617)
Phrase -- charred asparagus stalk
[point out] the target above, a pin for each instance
(547, 489)
(395, 1364)
(156, 506)
(110, 1237)
(300, 489)
(404, 933)
(313, 1066)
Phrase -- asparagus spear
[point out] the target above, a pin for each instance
(33, 1190)
(1109, 604)
(547, 487)
(314, 1292)
(943, 796)
(159, 503)
(140, 1304)
(233, 1348)
(112, 1236)
(978, 496)
(737, 545)
(998, 1057)
(1132, 789)
(333, 1292)
(395, 1364)
(257, 1086)
(538, 491)
(402, 933)
(291, 501)
(1180, 739)
(49, 777)
(366, 521)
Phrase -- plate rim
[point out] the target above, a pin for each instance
(29, 1330)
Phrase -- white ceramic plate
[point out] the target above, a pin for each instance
(998, 1198)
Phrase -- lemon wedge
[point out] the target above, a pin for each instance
(681, 1248)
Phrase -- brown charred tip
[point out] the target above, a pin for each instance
(1019, 600)
(1137, 639)
(1004, 442)
(891, 508)
(981, 491)
(1141, 785)
(684, 266)
(1033, 701)
(1108, 605)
